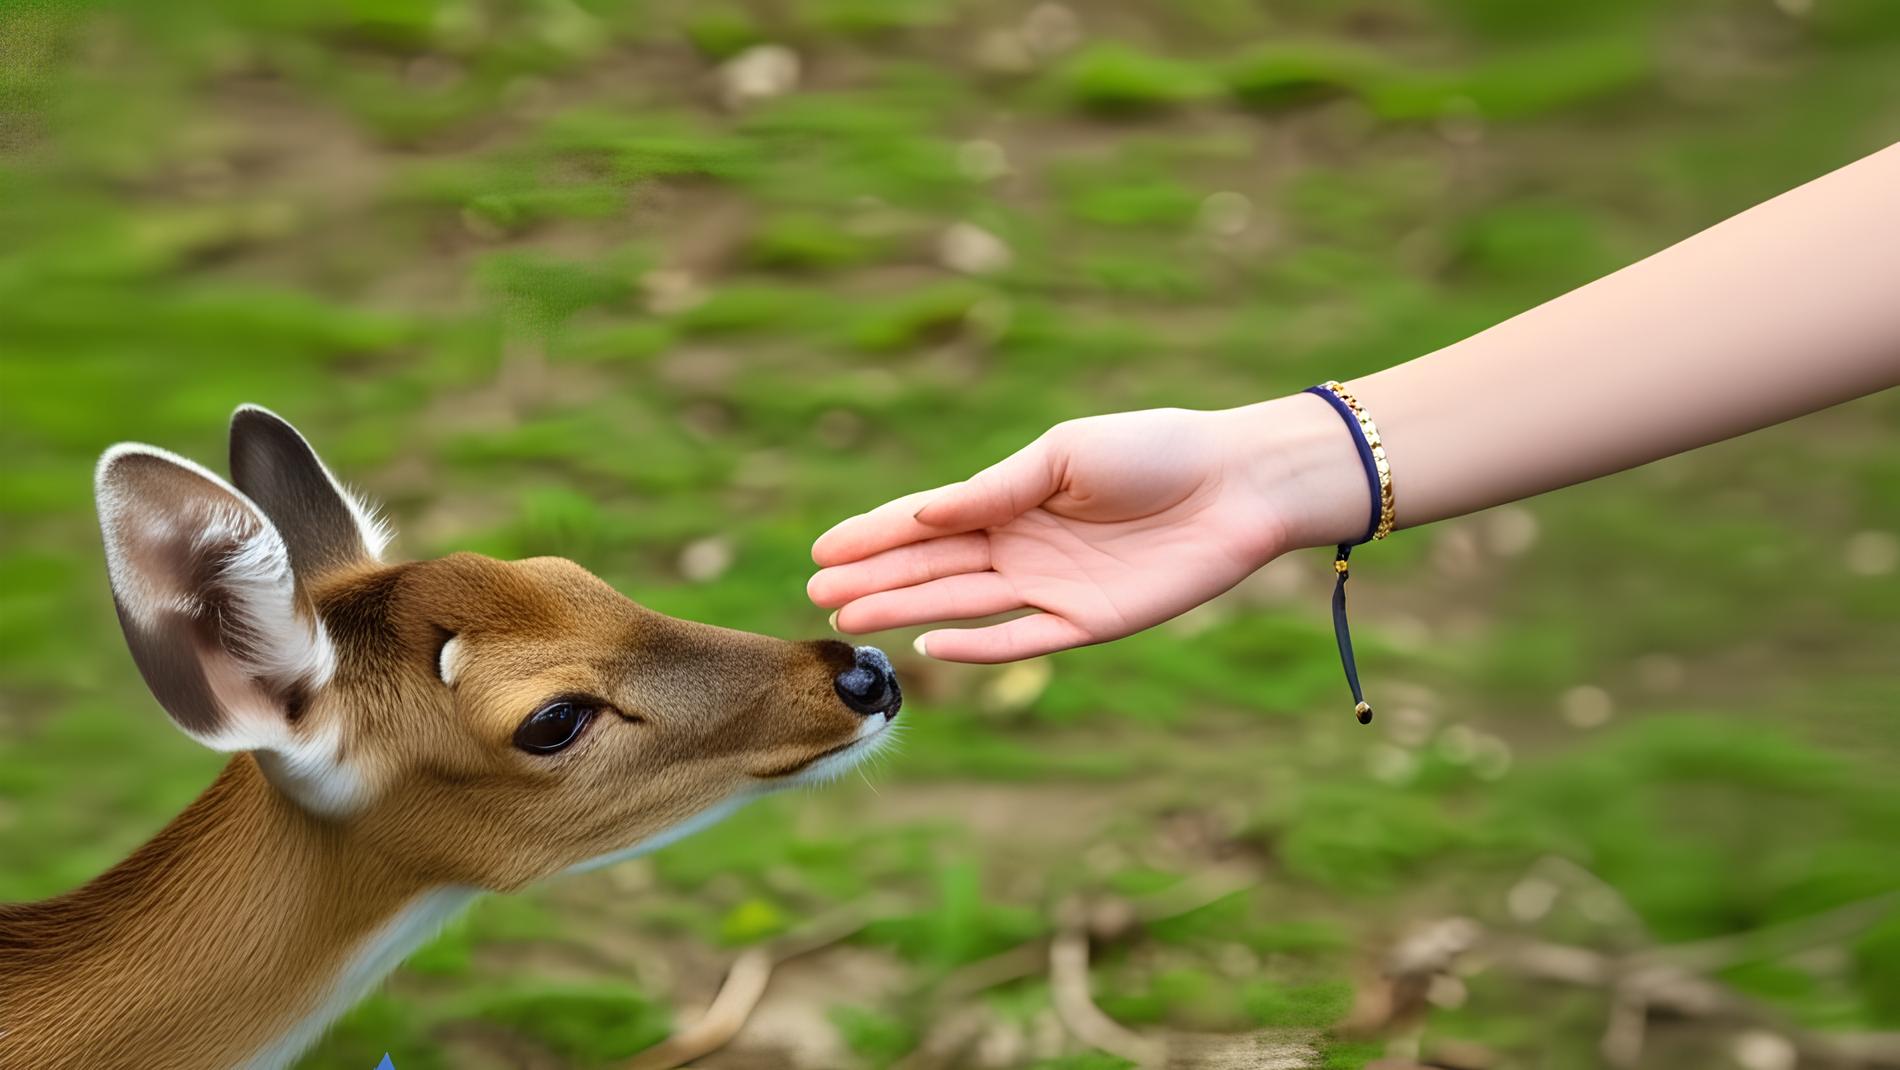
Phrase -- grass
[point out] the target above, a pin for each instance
(523, 277)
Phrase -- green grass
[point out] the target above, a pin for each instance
(429, 232)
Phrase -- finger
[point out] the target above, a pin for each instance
(892, 524)
(904, 566)
(1013, 640)
(973, 594)
(997, 494)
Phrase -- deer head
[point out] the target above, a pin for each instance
(480, 723)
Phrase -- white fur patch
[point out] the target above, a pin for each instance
(874, 735)
(446, 662)
(312, 773)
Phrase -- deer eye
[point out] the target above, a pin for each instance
(553, 727)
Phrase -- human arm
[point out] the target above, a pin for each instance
(1112, 524)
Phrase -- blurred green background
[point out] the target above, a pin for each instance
(669, 287)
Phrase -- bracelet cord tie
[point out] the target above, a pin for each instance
(1371, 449)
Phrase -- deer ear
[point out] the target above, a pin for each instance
(217, 622)
(323, 525)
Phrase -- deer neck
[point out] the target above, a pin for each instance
(232, 939)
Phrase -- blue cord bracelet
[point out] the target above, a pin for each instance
(1364, 436)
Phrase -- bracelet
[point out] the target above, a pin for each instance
(1365, 435)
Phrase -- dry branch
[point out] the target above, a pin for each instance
(1069, 988)
(744, 986)
(1640, 984)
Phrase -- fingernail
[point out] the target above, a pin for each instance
(918, 645)
(833, 620)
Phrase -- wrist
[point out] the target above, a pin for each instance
(1300, 462)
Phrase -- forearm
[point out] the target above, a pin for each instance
(1787, 308)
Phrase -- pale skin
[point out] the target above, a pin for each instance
(1108, 525)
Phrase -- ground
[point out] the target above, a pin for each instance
(670, 287)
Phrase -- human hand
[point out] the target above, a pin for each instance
(1104, 526)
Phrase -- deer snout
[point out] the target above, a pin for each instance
(869, 686)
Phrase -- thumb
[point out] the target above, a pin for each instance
(999, 493)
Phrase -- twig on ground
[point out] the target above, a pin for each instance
(1105, 926)
(1069, 989)
(1623, 1035)
(1667, 980)
(744, 986)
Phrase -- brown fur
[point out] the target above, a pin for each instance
(226, 928)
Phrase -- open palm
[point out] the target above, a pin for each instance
(1104, 526)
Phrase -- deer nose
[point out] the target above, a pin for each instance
(870, 686)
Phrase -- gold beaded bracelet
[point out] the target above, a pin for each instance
(1369, 432)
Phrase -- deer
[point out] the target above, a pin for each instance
(405, 737)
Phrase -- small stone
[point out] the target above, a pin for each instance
(670, 291)
(1018, 685)
(1530, 899)
(1446, 991)
(706, 559)
(1226, 214)
(759, 73)
(1391, 765)
(1051, 29)
(1004, 52)
(1872, 553)
(1601, 906)
(1587, 707)
(1759, 1049)
(971, 250)
(1455, 553)
(981, 161)
(1509, 530)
